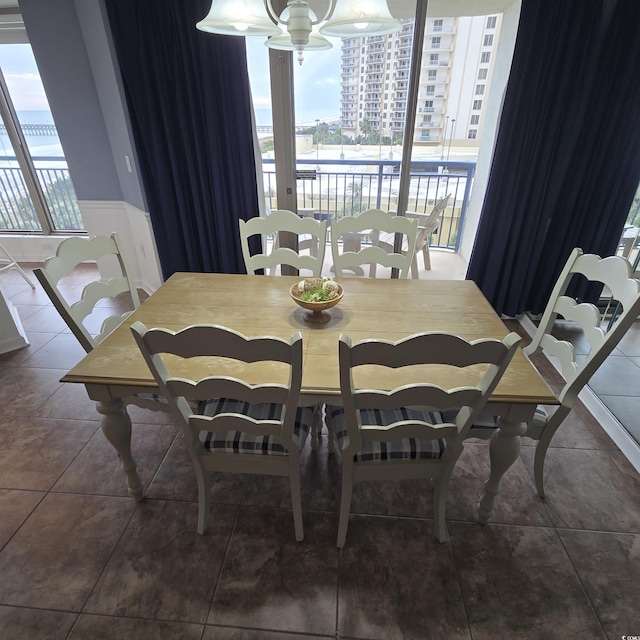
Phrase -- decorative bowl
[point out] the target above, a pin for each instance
(315, 311)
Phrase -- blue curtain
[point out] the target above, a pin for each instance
(567, 158)
(190, 109)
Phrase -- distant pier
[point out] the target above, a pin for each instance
(34, 129)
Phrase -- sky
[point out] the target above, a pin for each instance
(21, 73)
(316, 81)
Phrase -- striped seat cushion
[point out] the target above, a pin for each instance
(488, 421)
(401, 449)
(241, 442)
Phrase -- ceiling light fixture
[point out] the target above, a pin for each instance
(303, 31)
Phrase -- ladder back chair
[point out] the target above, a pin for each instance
(69, 255)
(371, 222)
(403, 433)
(253, 425)
(616, 274)
(311, 234)
(99, 308)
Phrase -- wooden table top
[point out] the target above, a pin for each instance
(261, 305)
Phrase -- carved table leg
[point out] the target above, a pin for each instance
(116, 426)
(504, 450)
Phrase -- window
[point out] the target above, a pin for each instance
(482, 74)
(477, 105)
(491, 22)
(435, 42)
(437, 25)
(432, 75)
(472, 134)
(430, 90)
(475, 119)
(428, 105)
(37, 193)
(485, 57)
(488, 41)
(480, 89)
(434, 58)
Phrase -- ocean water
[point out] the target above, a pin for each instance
(38, 145)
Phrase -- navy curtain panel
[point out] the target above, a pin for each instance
(567, 157)
(190, 109)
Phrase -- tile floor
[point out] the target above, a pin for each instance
(81, 560)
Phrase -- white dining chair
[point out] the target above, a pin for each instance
(312, 234)
(350, 253)
(403, 434)
(615, 273)
(76, 309)
(100, 305)
(250, 427)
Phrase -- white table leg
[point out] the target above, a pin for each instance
(116, 426)
(504, 450)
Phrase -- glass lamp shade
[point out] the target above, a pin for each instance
(238, 18)
(355, 18)
(283, 42)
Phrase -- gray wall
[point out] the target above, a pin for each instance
(72, 47)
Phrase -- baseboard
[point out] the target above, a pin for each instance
(612, 426)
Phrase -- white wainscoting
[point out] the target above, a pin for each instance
(134, 228)
(101, 218)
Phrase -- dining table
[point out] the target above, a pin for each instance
(257, 305)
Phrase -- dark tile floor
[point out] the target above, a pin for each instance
(81, 560)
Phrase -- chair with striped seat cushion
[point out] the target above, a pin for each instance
(586, 321)
(242, 424)
(400, 431)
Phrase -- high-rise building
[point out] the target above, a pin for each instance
(457, 63)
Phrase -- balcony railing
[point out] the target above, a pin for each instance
(16, 208)
(347, 187)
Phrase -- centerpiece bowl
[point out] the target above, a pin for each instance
(315, 311)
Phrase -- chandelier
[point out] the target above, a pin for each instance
(302, 30)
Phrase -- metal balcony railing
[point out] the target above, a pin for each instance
(16, 208)
(340, 188)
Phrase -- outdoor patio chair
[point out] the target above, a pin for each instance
(347, 234)
(8, 262)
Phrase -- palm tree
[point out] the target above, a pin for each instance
(353, 204)
(366, 128)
